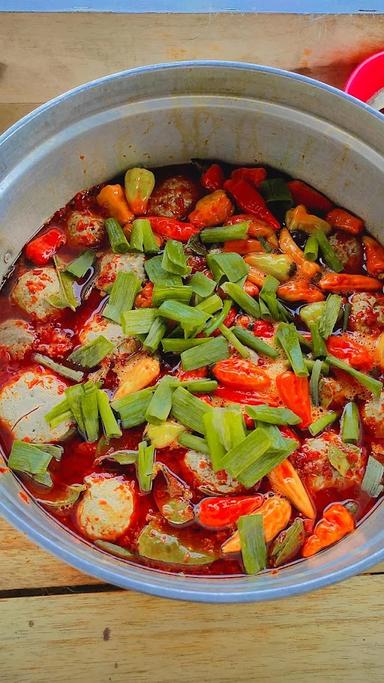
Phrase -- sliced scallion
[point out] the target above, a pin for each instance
(210, 305)
(274, 416)
(229, 266)
(90, 411)
(314, 382)
(338, 459)
(66, 298)
(138, 321)
(245, 454)
(252, 543)
(161, 402)
(117, 239)
(156, 333)
(328, 253)
(108, 420)
(216, 320)
(287, 337)
(156, 273)
(330, 315)
(189, 317)
(318, 347)
(350, 423)
(373, 385)
(199, 386)
(372, 482)
(189, 410)
(255, 343)
(132, 408)
(206, 354)
(73, 396)
(91, 354)
(213, 428)
(280, 448)
(122, 296)
(145, 469)
(311, 249)
(174, 259)
(161, 294)
(75, 375)
(268, 298)
(81, 264)
(29, 458)
(288, 543)
(202, 285)
(234, 341)
(180, 345)
(346, 314)
(242, 299)
(142, 237)
(196, 443)
(237, 231)
(322, 423)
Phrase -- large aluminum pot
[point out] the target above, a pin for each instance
(160, 115)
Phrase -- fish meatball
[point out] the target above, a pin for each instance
(173, 197)
(33, 291)
(17, 336)
(199, 468)
(110, 264)
(85, 229)
(367, 313)
(105, 510)
(25, 401)
(373, 416)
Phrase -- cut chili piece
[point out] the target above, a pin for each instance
(307, 195)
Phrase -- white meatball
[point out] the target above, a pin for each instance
(17, 336)
(32, 292)
(26, 400)
(373, 416)
(212, 482)
(98, 325)
(85, 229)
(104, 512)
(110, 264)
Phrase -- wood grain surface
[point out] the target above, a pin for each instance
(58, 625)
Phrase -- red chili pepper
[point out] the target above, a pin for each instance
(213, 209)
(172, 228)
(263, 328)
(228, 321)
(41, 249)
(294, 392)
(336, 522)
(347, 349)
(213, 178)
(305, 194)
(250, 288)
(374, 253)
(243, 246)
(192, 374)
(343, 220)
(218, 513)
(253, 398)
(250, 200)
(240, 373)
(255, 176)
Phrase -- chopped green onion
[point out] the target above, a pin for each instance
(255, 343)
(90, 411)
(224, 234)
(312, 313)
(59, 413)
(117, 239)
(252, 542)
(216, 321)
(366, 381)
(269, 305)
(373, 478)
(274, 416)
(55, 451)
(242, 299)
(199, 386)
(234, 341)
(29, 458)
(91, 354)
(206, 354)
(330, 315)
(311, 249)
(229, 266)
(195, 443)
(73, 396)
(142, 237)
(214, 426)
(189, 410)
(164, 434)
(188, 317)
(180, 345)
(113, 549)
(132, 408)
(245, 454)
(109, 422)
(156, 273)
(276, 190)
(338, 459)
(202, 285)
(81, 264)
(286, 546)
(318, 346)
(66, 298)
(161, 402)
(122, 296)
(346, 314)
(145, 462)
(328, 253)
(156, 333)
(279, 449)
(210, 305)
(138, 321)
(161, 294)
(287, 337)
(322, 423)
(314, 382)
(174, 259)
(235, 426)
(350, 423)
(310, 363)
(75, 375)
(69, 498)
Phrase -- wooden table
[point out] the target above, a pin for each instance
(57, 625)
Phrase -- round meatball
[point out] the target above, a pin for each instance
(33, 291)
(349, 250)
(85, 229)
(105, 510)
(367, 313)
(26, 400)
(200, 470)
(373, 416)
(173, 197)
(313, 463)
(110, 264)
(98, 325)
(17, 337)
(53, 341)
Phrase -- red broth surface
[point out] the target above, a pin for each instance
(323, 470)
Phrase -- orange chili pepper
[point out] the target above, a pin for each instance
(256, 228)
(213, 209)
(276, 513)
(256, 276)
(343, 220)
(299, 289)
(374, 254)
(112, 198)
(288, 246)
(345, 283)
(243, 246)
(294, 392)
(250, 288)
(336, 523)
(346, 348)
(307, 195)
(240, 373)
(285, 480)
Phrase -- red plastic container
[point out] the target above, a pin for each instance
(367, 80)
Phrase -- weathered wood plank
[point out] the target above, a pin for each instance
(334, 635)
